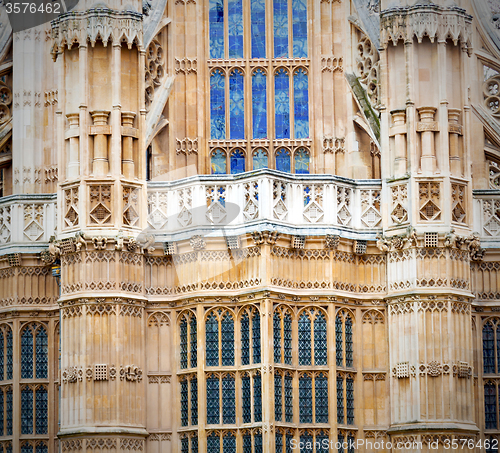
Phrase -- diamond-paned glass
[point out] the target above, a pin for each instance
(340, 440)
(305, 399)
(323, 440)
(304, 339)
(235, 28)
(306, 442)
(256, 337)
(278, 398)
(213, 443)
(302, 160)
(2, 357)
(350, 444)
(26, 411)
(259, 104)
(229, 444)
(10, 360)
(42, 411)
(41, 448)
(228, 400)
(288, 443)
(320, 340)
(194, 343)
(227, 340)
(26, 448)
(213, 409)
(260, 159)
(257, 440)
(288, 399)
(27, 354)
(245, 339)
(217, 107)
(498, 349)
(216, 28)
(321, 399)
(194, 401)
(185, 445)
(184, 403)
(212, 340)
(8, 448)
(257, 399)
(278, 443)
(236, 107)
(350, 401)
(2, 421)
(348, 342)
(258, 28)
(246, 397)
(490, 406)
(299, 28)
(247, 443)
(184, 343)
(340, 400)
(194, 444)
(42, 354)
(280, 26)
(287, 338)
(301, 115)
(339, 350)
(8, 412)
(277, 337)
(282, 104)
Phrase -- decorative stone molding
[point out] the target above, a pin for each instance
(72, 374)
(156, 437)
(130, 373)
(159, 379)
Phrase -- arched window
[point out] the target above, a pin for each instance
(301, 103)
(185, 445)
(219, 326)
(31, 446)
(236, 105)
(304, 339)
(260, 159)
(27, 354)
(282, 334)
(490, 406)
(188, 341)
(491, 346)
(218, 162)
(280, 14)
(250, 325)
(259, 104)
(216, 28)
(34, 354)
(299, 12)
(213, 398)
(343, 337)
(313, 397)
(302, 161)
(282, 103)
(229, 444)
(258, 31)
(320, 340)
(237, 162)
(213, 443)
(283, 160)
(6, 360)
(235, 28)
(217, 105)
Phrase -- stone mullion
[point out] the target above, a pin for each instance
(16, 387)
(267, 376)
(332, 381)
(202, 386)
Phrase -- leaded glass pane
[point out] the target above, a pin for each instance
(491, 445)
(280, 9)
(301, 115)
(338, 340)
(302, 160)
(305, 399)
(258, 29)
(350, 401)
(194, 444)
(194, 401)
(288, 443)
(277, 337)
(229, 444)
(218, 162)
(282, 104)
(213, 443)
(304, 340)
(228, 400)
(216, 30)
(236, 106)
(256, 337)
(324, 443)
(184, 403)
(8, 412)
(26, 448)
(498, 349)
(278, 442)
(259, 104)
(340, 400)
(321, 399)
(42, 354)
(217, 107)
(213, 409)
(235, 28)
(1, 413)
(185, 445)
(287, 337)
(306, 442)
(42, 409)
(350, 444)
(348, 342)
(340, 440)
(2, 348)
(237, 162)
(27, 354)
(320, 340)
(194, 343)
(227, 340)
(247, 443)
(288, 399)
(490, 406)
(212, 340)
(278, 398)
(257, 440)
(246, 399)
(8, 448)
(41, 448)
(257, 399)
(27, 411)
(245, 340)
(183, 343)
(299, 8)
(10, 362)
(260, 159)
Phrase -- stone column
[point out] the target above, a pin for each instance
(398, 130)
(128, 168)
(73, 135)
(455, 130)
(427, 126)
(100, 129)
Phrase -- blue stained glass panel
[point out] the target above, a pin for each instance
(184, 403)
(283, 160)
(348, 342)
(256, 337)
(287, 337)
(26, 411)
(229, 444)
(216, 19)
(212, 340)
(27, 354)
(246, 399)
(302, 161)
(350, 401)
(213, 409)
(194, 343)
(301, 104)
(194, 444)
(257, 440)
(320, 340)
(282, 103)
(258, 29)
(277, 337)
(10, 362)
(259, 104)
(259, 159)
(245, 340)
(217, 105)
(299, 28)
(236, 105)
(227, 340)
(305, 399)
(288, 399)
(306, 442)
(321, 399)
(488, 349)
(42, 411)
(247, 443)
(185, 445)
(8, 412)
(235, 28)
(194, 401)
(183, 344)
(218, 162)
(304, 340)
(339, 350)
(228, 400)
(213, 443)
(278, 398)
(340, 400)
(237, 162)
(280, 25)
(257, 399)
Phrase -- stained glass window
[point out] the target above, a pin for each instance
(212, 340)
(282, 103)
(185, 445)
(229, 444)
(235, 28)
(299, 8)
(340, 400)
(257, 399)
(247, 443)
(320, 340)
(194, 401)
(301, 103)
(305, 399)
(257, 443)
(348, 342)
(10, 362)
(236, 105)
(287, 338)
(8, 412)
(259, 104)
(26, 411)
(246, 399)
(42, 419)
(245, 339)
(302, 161)
(350, 401)
(277, 337)
(490, 406)
(256, 337)
(194, 444)
(280, 8)
(304, 339)
(216, 30)
(213, 443)
(228, 400)
(227, 340)
(278, 398)
(306, 441)
(42, 354)
(213, 410)
(217, 106)
(27, 354)
(339, 350)
(288, 398)
(283, 160)
(321, 399)
(218, 162)
(184, 403)
(194, 345)
(184, 343)
(260, 159)
(237, 162)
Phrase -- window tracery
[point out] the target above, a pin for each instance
(250, 336)
(491, 346)
(344, 339)
(221, 394)
(34, 409)
(188, 341)
(34, 352)
(220, 348)
(282, 331)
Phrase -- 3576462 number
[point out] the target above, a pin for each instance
(32, 8)
(468, 444)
